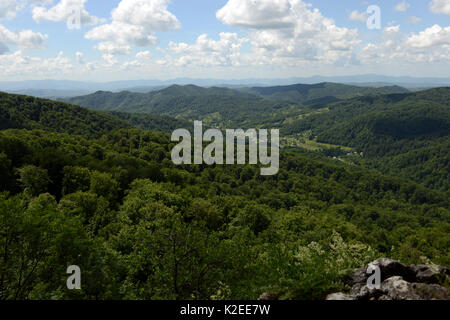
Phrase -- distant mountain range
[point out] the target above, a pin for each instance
(240, 107)
(325, 92)
(215, 106)
(65, 88)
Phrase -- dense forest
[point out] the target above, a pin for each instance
(224, 107)
(325, 92)
(220, 107)
(98, 190)
(25, 112)
(401, 134)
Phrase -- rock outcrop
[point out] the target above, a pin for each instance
(397, 282)
(268, 296)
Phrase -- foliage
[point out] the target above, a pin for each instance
(140, 227)
(400, 134)
(320, 93)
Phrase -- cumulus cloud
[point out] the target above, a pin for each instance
(440, 6)
(122, 34)
(143, 55)
(134, 23)
(208, 52)
(42, 2)
(402, 6)
(289, 31)
(110, 59)
(66, 10)
(113, 48)
(8, 8)
(263, 14)
(355, 15)
(25, 39)
(128, 65)
(428, 46)
(432, 37)
(19, 64)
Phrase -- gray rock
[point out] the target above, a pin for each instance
(398, 289)
(340, 296)
(427, 276)
(356, 289)
(267, 296)
(366, 293)
(359, 276)
(390, 268)
(431, 291)
(430, 275)
(399, 282)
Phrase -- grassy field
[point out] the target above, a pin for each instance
(306, 141)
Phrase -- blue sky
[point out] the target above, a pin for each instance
(161, 39)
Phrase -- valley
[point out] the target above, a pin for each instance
(361, 177)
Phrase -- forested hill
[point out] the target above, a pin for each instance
(146, 121)
(215, 106)
(325, 92)
(25, 112)
(109, 205)
(372, 121)
(141, 227)
(402, 134)
(155, 101)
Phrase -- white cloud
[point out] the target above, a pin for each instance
(132, 65)
(42, 2)
(110, 59)
(432, 37)
(8, 8)
(428, 46)
(290, 32)
(402, 6)
(18, 64)
(113, 48)
(134, 23)
(208, 52)
(355, 15)
(65, 10)
(122, 34)
(143, 55)
(25, 39)
(263, 14)
(150, 14)
(440, 6)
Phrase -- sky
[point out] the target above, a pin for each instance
(107, 40)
